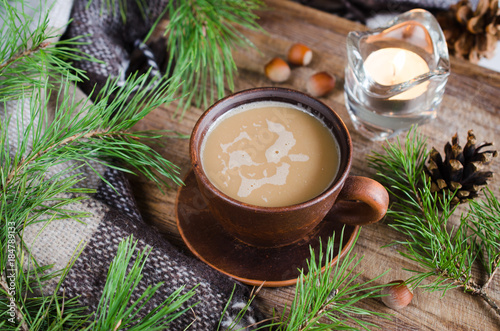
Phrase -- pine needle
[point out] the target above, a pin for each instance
(327, 300)
(116, 310)
(31, 190)
(201, 35)
(446, 253)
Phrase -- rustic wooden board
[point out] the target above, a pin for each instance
(471, 101)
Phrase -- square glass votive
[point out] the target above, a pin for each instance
(396, 75)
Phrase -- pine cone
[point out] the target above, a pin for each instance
(460, 171)
(471, 34)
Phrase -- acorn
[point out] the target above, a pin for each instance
(277, 70)
(320, 84)
(397, 296)
(300, 55)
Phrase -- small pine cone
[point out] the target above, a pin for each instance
(461, 171)
(471, 34)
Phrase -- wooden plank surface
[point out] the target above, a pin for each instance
(471, 101)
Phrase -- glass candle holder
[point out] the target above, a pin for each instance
(396, 75)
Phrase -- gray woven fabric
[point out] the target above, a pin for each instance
(113, 214)
(109, 38)
(113, 217)
(113, 42)
(166, 263)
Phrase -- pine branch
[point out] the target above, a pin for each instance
(116, 311)
(330, 295)
(33, 198)
(326, 297)
(201, 35)
(36, 311)
(490, 302)
(23, 54)
(25, 162)
(98, 132)
(484, 218)
(19, 316)
(30, 66)
(81, 132)
(445, 254)
(29, 195)
(26, 55)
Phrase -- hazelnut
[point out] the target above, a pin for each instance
(397, 296)
(320, 84)
(300, 55)
(277, 70)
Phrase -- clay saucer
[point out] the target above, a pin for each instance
(249, 264)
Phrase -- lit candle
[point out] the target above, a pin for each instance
(390, 66)
(379, 61)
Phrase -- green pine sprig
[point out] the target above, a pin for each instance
(200, 37)
(25, 306)
(33, 310)
(326, 295)
(116, 310)
(326, 300)
(79, 133)
(445, 252)
(485, 222)
(26, 53)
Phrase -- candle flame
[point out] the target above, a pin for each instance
(398, 62)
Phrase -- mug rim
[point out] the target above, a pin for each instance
(336, 186)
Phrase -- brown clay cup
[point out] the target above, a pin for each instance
(356, 200)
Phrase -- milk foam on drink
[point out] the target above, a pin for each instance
(270, 154)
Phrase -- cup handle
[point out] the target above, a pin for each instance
(361, 201)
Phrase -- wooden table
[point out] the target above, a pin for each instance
(471, 101)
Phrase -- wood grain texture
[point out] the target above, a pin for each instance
(471, 101)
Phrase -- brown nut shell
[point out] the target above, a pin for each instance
(300, 55)
(320, 84)
(397, 296)
(277, 70)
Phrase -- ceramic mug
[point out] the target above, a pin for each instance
(356, 200)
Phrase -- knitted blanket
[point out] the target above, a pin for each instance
(113, 213)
